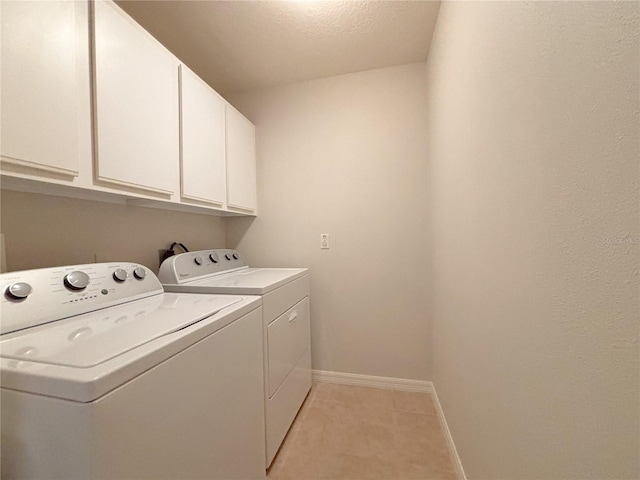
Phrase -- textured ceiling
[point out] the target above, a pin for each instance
(242, 45)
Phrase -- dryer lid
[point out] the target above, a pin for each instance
(90, 339)
(248, 281)
(257, 277)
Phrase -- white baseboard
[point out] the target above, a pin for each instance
(402, 384)
(457, 464)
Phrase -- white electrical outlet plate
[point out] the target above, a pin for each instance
(324, 240)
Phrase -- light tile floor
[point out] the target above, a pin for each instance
(345, 432)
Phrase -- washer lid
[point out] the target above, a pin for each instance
(93, 338)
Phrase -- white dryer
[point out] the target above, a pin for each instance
(286, 324)
(103, 375)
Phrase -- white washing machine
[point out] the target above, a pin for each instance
(105, 376)
(286, 324)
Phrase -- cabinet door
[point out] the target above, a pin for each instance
(135, 104)
(241, 162)
(40, 95)
(202, 130)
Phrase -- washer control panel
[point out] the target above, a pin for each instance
(188, 266)
(33, 297)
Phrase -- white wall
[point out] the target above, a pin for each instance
(533, 112)
(347, 156)
(45, 231)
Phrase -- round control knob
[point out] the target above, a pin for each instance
(139, 273)
(235, 256)
(227, 256)
(213, 257)
(120, 275)
(198, 260)
(76, 280)
(18, 291)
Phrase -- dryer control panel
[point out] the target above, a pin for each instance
(33, 297)
(191, 265)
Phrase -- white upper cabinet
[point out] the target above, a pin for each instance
(241, 162)
(93, 106)
(202, 130)
(135, 104)
(40, 99)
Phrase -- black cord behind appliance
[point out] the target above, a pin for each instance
(171, 252)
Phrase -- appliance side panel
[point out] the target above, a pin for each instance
(200, 414)
(44, 437)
